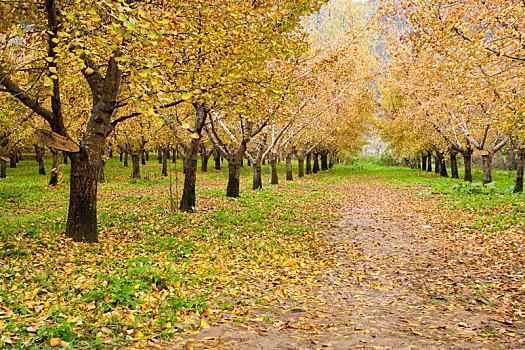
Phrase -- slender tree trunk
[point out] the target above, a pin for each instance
(110, 153)
(135, 160)
(165, 156)
(467, 160)
(308, 163)
(125, 158)
(454, 165)
(520, 163)
(120, 156)
(316, 163)
(324, 161)
(487, 169)
(512, 161)
(273, 167)
(3, 169)
(147, 156)
(204, 163)
(424, 163)
(234, 173)
(143, 158)
(257, 176)
(289, 175)
(82, 214)
(39, 155)
(217, 160)
(437, 163)
(264, 161)
(53, 178)
(174, 153)
(429, 160)
(64, 157)
(300, 162)
(159, 155)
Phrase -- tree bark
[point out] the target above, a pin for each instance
(159, 155)
(442, 167)
(520, 163)
(204, 162)
(454, 165)
(316, 163)
(165, 155)
(125, 158)
(3, 169)
(512, 161)
(257, 176)
(135, 160)
(39, 155)
(273, 167)
(308, 163)
(64, 157)
(102, 172)
(217, 160)
(429, 160)
(300, 162)
(234, 173)
(437, 164)
(143, 158)
(324, 160)
(467, 160)
(147, 156)
(289, 175)
(487, 169)
(424, 163)
(12, 159)
(53, 178)
(187, 203)
(120, 156)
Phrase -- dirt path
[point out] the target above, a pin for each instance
(382, 290)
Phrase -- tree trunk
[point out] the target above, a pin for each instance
(273, 167)
(437, 164)
(288, 159)
(102, 172)
(467, 160)
(120, 155)
(147, 156)
(512, 161)
(53, 178)
(64, 157)
(316, 163)
(487, 169)
(442, 167)
(135, 160)
(82, 214)
(300, 162)
(429, 160)
(424, 163)
(520, 163)
(110, 153)
(3, 169)
(217, 160)
(454, 165)
(174, 154)
(204, 163)
(39, 155)
(125, 158)
(159, 155)
(308, 163)
(143, 158)
(12, 160)
(234, 173)
(165, 156)
(257, 176)
(324, 161)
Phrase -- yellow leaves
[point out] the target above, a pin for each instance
(53, 69)
(55, 341)
(194, 135)
(169, 63)
(89, 71)
(185, 125)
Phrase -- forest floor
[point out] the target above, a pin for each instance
(399, 275)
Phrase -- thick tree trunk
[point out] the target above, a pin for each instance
(467, 160)
(204, 163)
(324, 161)
(316, 163)
(143, 158)
(454, 165)
(102, 173)
(487, 169)
(308, 163)
(273, 167)
(217, 160)
(424, 163)
(512, 161)
(300, 162)
(82, 214)
(257, 176)
(135, 160)
(53, 178)
(12, 160)
(39, 156)
(125, 158)
(165, 156)
(437, 164)
(289, 175)
(442, 167)
(159, 155)
(147, 156)
(429, 160)
(3, 169)
(520, 163)
(234, 173)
